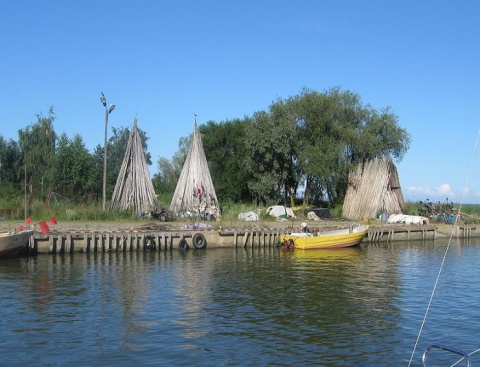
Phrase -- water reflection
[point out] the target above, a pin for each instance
(244, 306)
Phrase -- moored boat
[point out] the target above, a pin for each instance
(340, 238)
(12, 243)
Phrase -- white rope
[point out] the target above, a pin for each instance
(445, 254)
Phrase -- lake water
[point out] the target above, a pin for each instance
(239, 307)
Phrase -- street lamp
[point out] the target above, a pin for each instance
(25, 164)
(107, 112)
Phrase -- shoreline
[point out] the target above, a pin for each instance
(442, 230)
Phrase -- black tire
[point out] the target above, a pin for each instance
(150, 243)
(183, 245)
(163, 218)
(199, 241)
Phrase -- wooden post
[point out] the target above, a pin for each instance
(245, 238)
(60, 244)
(69, 243)
(51, 243)
(142, 241)
(129, 242)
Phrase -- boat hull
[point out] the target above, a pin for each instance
(12, 243)
(328, 240)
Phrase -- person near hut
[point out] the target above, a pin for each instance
(304, 227)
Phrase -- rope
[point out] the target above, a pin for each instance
(444, 255)
(461, 359)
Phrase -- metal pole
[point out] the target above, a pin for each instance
(25, 199)
(105, 161)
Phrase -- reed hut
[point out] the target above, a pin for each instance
(373, 188)
(195, 194)
(134, 188)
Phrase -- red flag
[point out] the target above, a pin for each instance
(20, 228)
(53, 220)
(28, 220)
(44, 226)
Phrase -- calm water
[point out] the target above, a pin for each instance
(227, 307)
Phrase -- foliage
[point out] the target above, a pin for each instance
(73, 166)
(10, 159)
(223, 145)
(165, 180)
(300, 147)
(411, 208)
(312, 140)
(269, 158)
(37, 144)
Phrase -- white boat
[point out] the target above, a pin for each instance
(12, 243)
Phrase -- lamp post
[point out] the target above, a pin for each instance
(25, 198)
(107, 112)
(25, 164)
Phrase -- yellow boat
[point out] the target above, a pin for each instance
(326, 240)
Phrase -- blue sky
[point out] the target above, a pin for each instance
(163, 61)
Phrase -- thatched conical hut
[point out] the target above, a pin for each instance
(195, 194)
(134, 188)
(373, 188)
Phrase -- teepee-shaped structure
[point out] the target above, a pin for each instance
(373, 188)
(195, 194)
(134, 188)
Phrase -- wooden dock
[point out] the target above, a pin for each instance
(156, 240)
(388, 233)
(137, 240)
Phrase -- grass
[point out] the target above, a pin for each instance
(64, 211)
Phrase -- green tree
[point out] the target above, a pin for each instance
(382, 137)
(270, 159)
(73, 169)
(37, 143)
(165, 180)
(323, 121)
(10, 163)
(310, 142)
(302, 146)
(224, 145)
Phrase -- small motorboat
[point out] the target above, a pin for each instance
(12, 243)
(339, 238)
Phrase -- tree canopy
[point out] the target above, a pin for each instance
(299, 148)
(49, 167)
(302, 147)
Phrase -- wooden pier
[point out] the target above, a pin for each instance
(388, 233)
(406, 232)
(152, 240)
(156, 240)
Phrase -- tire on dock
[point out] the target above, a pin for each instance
(183, 244)
(199, 241)
(150, 243)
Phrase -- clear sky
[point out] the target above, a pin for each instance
(164, 61)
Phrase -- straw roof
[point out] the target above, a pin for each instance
(195, 194)
(134, 188)
(373, 187)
